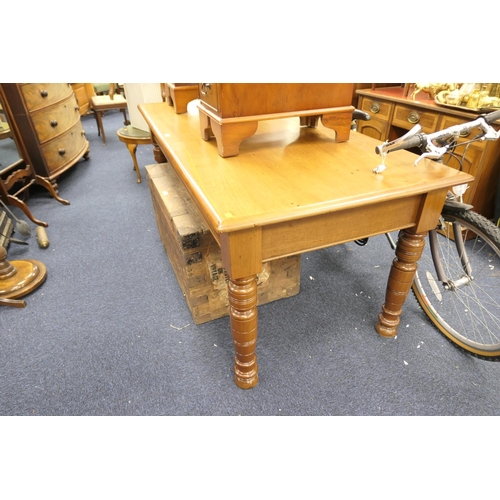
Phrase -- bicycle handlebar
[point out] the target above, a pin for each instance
(492, 117)
(425, 142)
(410, 140)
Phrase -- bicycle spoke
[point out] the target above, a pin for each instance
(466, 308)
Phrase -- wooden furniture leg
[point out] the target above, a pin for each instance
(16, 202)
(21, 174)
(132, 149)
(126, 121)
(340, 122)
(100, 128)
(179, 97)
(157, 152)
(404, 266)
(243, 313)
(41, 181)
(229, 136)
(205, 127)
(309, 121)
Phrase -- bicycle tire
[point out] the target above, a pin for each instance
(468, 315)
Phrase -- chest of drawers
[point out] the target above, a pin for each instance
(393, 114)
(47, 121)
(231, 111)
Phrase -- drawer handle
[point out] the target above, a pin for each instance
(44, 93)
(413, 117)
(205, 87)
(375, 107)
(465, 133)
(62, 152)
(53, 123)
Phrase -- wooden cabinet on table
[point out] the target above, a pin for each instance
(393, 114)
(230, 112)
(47, 124)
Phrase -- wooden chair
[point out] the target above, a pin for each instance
(102, 103)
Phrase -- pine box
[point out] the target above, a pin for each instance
(195, 255)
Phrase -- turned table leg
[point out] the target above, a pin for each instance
(404, 266)
(243, 315)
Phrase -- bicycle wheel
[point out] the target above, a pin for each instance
(465, 305)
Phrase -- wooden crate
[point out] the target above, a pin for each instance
(195, 255)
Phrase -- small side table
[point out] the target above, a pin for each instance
(132, 137)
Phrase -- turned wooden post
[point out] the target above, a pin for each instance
(158, 154)
(6, 268)
(243, 314)
(404, 266)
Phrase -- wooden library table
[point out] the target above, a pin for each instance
(294, 189)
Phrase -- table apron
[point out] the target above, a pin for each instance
(312, 233)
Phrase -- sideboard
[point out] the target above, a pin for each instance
(393, 114)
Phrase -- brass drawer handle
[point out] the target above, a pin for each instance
(62, 152)
(44, 93)
(53, 123)
(413, 117)
(374, 107)
(206, 87)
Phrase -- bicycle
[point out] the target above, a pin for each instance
(457, 283)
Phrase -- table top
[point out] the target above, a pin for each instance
(130, 132)
(286, 172)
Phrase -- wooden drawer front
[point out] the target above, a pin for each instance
(64, 148)
(56, 120)
(449, 121)
(473, 152)
(378, 109)
(469, 164)
(209, 94)
(373, 128)
(406, 117)
(39, 95)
